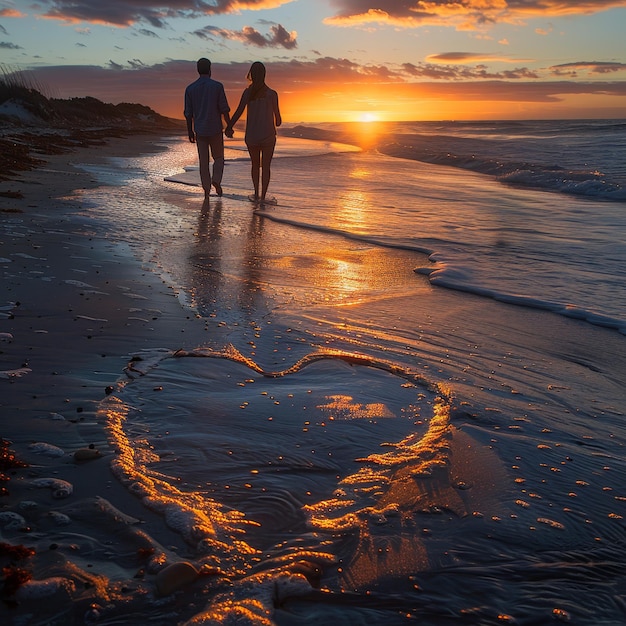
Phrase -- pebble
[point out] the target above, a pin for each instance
(175, 576)
(28, 505)
(38, 589)
(60, 519)
(60, 488)
(48, 449)
(11, 520)
(86, 454)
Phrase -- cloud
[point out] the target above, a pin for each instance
(136, 64)
(147, 33)
(457, 73)
(11, 13)
(6, 45)
(330, 70)
(161, 86)
(465, 15)
(281, 37)
(311, 89)
(544, 31)
(128, 12)
(278, 37)
(592, 67)
(471, 57)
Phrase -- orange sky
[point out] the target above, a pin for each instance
(334, 60)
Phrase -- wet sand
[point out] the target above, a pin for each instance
(77, 308)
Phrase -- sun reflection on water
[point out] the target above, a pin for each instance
(350, 212)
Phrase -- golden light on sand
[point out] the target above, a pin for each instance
(341, 406)
(346, 281)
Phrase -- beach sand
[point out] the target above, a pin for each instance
(77, 308)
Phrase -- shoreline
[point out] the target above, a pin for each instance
(57, 273)
(76, 309)
(88, 306)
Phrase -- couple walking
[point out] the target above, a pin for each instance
(206, 105)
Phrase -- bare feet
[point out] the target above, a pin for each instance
(218, 188)
(253, 197)
(271, 200)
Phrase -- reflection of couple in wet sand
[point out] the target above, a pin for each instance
(206, 105)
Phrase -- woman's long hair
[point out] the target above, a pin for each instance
(257, 76)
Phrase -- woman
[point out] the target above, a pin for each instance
(262, 118)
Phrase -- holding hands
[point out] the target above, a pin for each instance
(229, 132)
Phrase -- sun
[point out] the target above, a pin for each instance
(368, 117)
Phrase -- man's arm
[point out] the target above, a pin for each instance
(188, 113)
(192, 135)
(237, 114)
(224, 108)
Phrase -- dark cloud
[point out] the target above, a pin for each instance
(592, 67)
(210, 32)
(518, 73)
(147, 33)
(7, 45)
(116, 12)
(457, 73)
(277, 38)
(465, 15)
(127, 12)
(281, 37)
(3, 30)
(462, 15)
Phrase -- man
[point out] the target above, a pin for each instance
(205, 106)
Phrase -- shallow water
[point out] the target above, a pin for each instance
(572, 157)
(352, 443)
(491, 444)
(535, 248)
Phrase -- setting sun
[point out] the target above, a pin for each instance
(368, 117)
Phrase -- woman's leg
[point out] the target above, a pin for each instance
(267, 152)
(255, 157)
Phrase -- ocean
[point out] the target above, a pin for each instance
(410, 403)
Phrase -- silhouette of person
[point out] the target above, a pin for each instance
(262, 118)
(205, 106)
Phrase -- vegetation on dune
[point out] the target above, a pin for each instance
(33, 123)
(23, 91)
